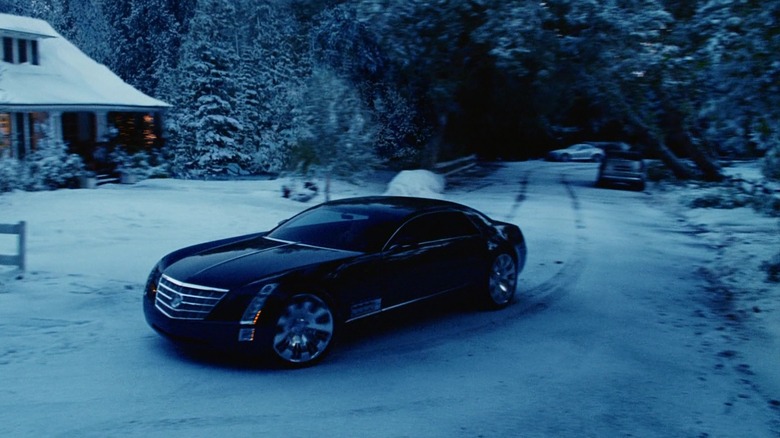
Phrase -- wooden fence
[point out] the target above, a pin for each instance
(20, 230)
(455, 166)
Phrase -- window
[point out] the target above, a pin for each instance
(21, 138)
(8, 49)
(433, 227)
(34, 47)
(22, 51)
(5, 135)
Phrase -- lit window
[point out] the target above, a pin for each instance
(148, 130)
(5, 134)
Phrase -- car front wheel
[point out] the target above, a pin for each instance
(502, 281)
(304, 331)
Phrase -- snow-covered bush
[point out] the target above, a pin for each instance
(736, 193)
(141, 164)
(52, 167)
(772, 162)
(772, 268)
(10, 174)
(418, 183)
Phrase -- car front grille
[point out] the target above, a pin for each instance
(180, 300)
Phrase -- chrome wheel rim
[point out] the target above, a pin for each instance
(503, 279)
(304, 329)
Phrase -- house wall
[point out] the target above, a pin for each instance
(91, 134)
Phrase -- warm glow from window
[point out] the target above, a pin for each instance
(5, 133)
(149, 135)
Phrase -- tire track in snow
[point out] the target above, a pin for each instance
(441, 325)
(556, 287)
(521, 195)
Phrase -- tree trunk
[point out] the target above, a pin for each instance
(672, 161)
(433, 147)
(710, 168)
(677, 166)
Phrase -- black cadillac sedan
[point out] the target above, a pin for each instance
(288, 292)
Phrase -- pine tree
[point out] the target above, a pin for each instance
(152, 42)
(209, 128)
(270, 66)
(333, 132)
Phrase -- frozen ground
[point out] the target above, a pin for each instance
(634, 317)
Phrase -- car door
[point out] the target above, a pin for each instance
(582, 152)
(430, 254)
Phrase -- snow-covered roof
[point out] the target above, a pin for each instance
(66, 78)
(29, 27)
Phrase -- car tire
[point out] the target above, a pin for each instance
(303, 332)
(502, 281)
(565, 157)
(596, 158)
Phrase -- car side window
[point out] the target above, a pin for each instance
(433, 227)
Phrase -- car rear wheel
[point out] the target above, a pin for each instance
(304, 331)
(565, 157)
(502, 281)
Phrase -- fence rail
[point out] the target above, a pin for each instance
(19, 229)
(449, 167)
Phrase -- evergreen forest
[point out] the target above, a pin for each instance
(264, 86)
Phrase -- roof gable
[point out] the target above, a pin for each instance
(25, 27)
(66, 78)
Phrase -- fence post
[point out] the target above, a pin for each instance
(22, 244)
(20, 230)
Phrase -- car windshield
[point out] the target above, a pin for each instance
(339, 227)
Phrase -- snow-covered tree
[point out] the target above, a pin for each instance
(738, 43)
(152, 43)
(208, 128)
(273, 67)
(433, 49)
(332, 129)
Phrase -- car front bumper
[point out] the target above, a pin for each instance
(220, 335)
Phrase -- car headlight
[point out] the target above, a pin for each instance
(255, 307)
(151, 282)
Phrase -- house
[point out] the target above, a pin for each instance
(49, 89)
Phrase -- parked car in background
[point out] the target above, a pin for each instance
(622, 169)
(288, 293)
(610, 146)
(577, 152)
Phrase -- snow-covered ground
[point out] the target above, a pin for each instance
(635, 317)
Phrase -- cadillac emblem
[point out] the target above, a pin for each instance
(176, 301)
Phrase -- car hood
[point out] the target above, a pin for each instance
(236, 264)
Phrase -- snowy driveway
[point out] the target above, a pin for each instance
(607, 337)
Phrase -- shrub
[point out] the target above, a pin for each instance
(48, 168)
(772, 268)
(9, 174)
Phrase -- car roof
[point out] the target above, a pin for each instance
(394, 206)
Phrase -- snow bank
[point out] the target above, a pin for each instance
(418, 183)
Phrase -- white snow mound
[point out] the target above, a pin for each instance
(418, 183)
